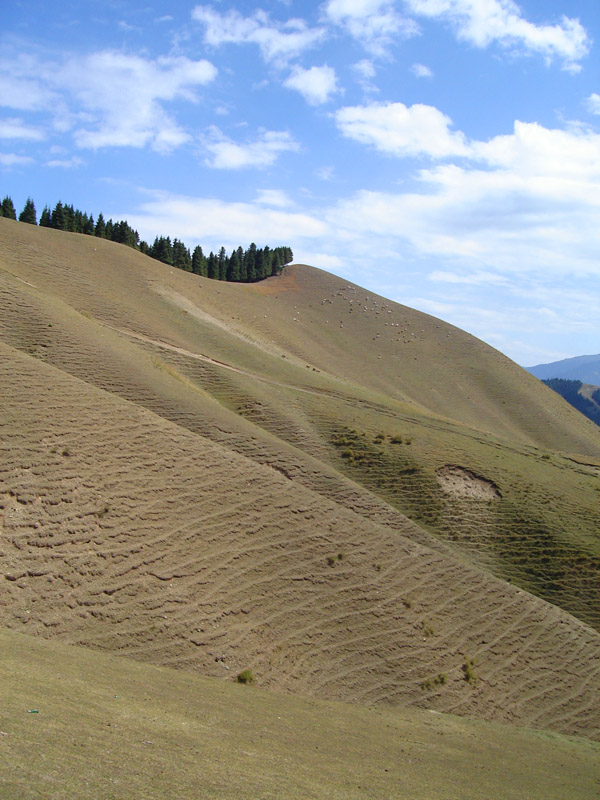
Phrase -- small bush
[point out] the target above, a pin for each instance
(245, 677)
(468, 669)
(330, 561)
(396, 440)
(430, 683)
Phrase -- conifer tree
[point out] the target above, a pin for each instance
(213, 266)
(100, 229)
(233, 267)
(181, 256)
(57, 220)
(45, 220)
(8, 208)
(250, 263)
(28, 214)
(199, 265)
(222, 265)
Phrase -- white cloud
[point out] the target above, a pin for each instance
(365, 72)
(22, 85)
(482, 22)
(262, 152)
(399, 130)
(14, 160)
(123, 97)
(107, 99)
(213, 223)
(14, 128)
(593, 103)
(66, 163)
(374, 23)
(421, 71)
(325, 173)
(533, 207)
(277, 41)
(273, 197)
(316, 84)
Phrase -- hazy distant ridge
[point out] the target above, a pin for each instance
(582, 368)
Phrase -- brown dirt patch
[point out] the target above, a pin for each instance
(461, 482)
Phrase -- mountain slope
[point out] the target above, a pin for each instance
(193, 478)
(107, 726)
(579, 368)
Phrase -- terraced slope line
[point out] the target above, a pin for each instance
(125, 532)
(226, 361)
(307, 316)
(107, 725)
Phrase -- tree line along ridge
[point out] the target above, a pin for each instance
(241, 266)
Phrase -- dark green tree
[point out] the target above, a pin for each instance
(162, 249)
(28, 214)
(250, 263)
(199, 264)
(88, 225)
(213, 266)
(233, 267)
(222, 265)
(45, 218)
(8, 208)
(100, 229)
(57, 219)
(181, 256)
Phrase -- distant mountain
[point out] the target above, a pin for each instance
(580, 368)
(583, 397)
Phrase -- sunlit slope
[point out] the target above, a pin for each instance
(263, 371)
(187, 474)
(109, 727)
(124, 531)
(311, 318)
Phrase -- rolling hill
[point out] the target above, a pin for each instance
(356, 501)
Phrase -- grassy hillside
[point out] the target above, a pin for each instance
(112, 728)
(351, 499)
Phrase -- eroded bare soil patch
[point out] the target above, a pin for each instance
(461, 482)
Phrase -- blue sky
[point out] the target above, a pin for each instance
(443, 153)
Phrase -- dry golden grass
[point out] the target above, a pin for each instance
(218, 477)
(113, 729)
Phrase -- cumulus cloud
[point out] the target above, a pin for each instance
(123, 97)
(14, 160)
(14, 128)
(421, 71)
(400, 130)
(107, 99)
(374, 23)
(273, 197)
(65, 163)
(316, 84)
(276, 41)
(22, 85)
(533, 205)
(593, 103)
(482, 22)
(213, 223)
(365, 72)
(261, 152)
